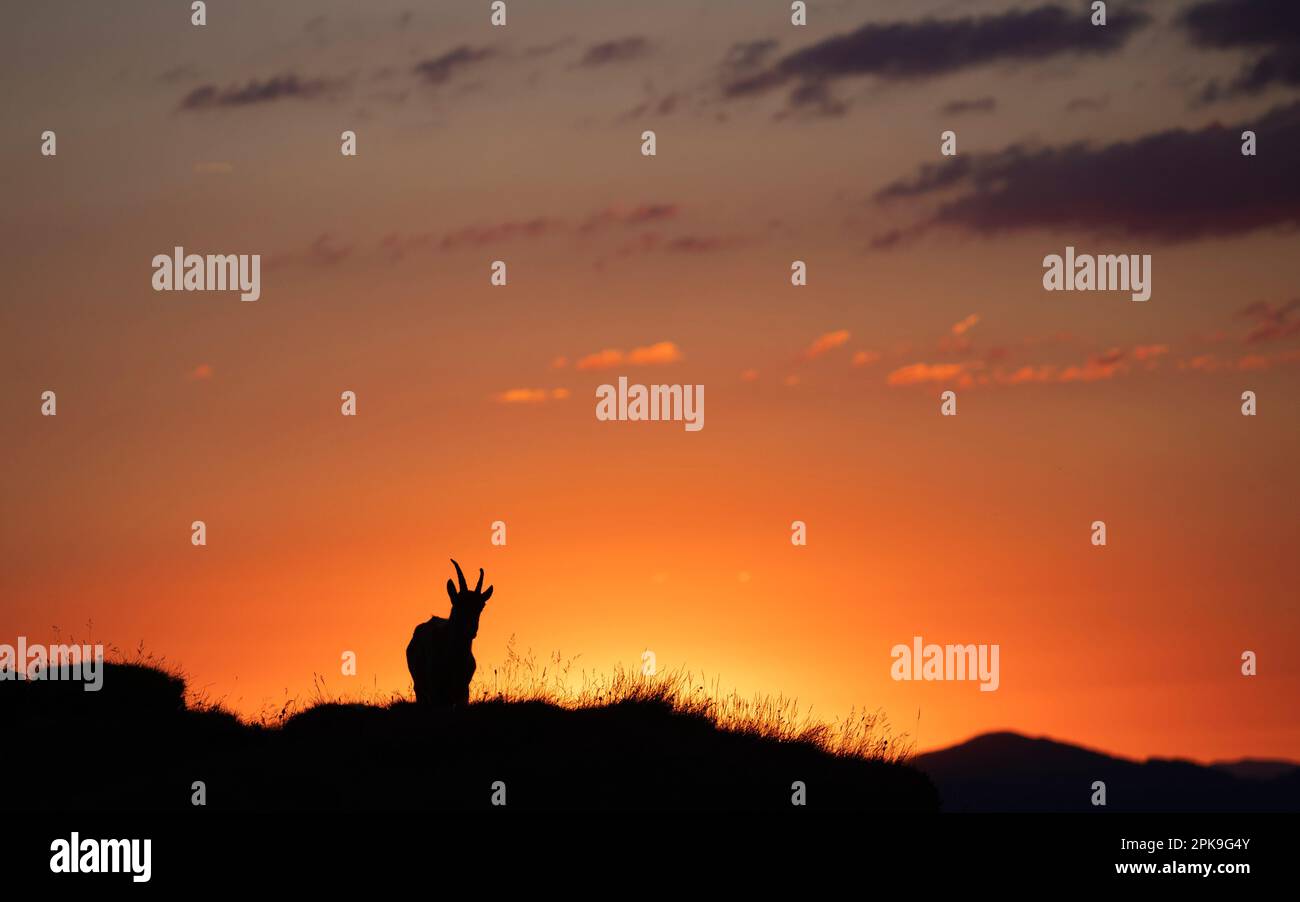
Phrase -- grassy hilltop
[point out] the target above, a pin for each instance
(630, 742)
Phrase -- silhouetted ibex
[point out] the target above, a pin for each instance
(438, 654)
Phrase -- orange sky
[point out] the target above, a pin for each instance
(329, 533)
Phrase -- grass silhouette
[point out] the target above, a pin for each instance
(555, 681)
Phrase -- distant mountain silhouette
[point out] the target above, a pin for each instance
(1010, 772)
(134, 745)
(1255, 768)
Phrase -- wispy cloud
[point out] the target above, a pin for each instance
(324, 250)
(1099, 366)
(531, 395)
(439, 70)
(1149, 352)
(917, 373)
(476, 236)
(825, 342)
(1096, 368)
(397, 245)
(1272, 321)
(698, 244)
(624, 216)
(657, 354)
(616, 51)
(601, 360)
(814, 99)
(746, 55)
(279, 87)
(1213, 363)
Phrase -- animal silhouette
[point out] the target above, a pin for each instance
(438, 654)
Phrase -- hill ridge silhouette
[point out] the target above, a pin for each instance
(136, 745)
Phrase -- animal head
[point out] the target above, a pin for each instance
(467, 604)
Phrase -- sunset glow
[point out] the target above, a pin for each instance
(475, 402)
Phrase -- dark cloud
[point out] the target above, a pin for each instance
(1271, 28)
(280, 87)
(1271, 321)
(930, 47)
(1174, 185)
(975, 105)
(664, 106)
(748, 54)
(636, 216)
(438, 70)
(619, 51)
(1242, 23)
(814, 99)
